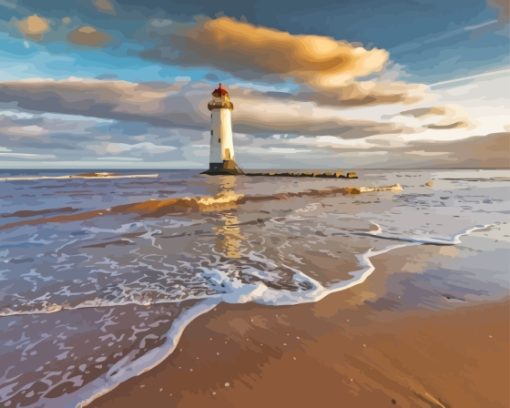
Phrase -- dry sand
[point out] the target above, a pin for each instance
(364, 347)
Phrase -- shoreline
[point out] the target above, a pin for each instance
(247, 354)
(358, 277)
(282, 243)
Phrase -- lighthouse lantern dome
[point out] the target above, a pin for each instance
(220, 99)
(220, 91)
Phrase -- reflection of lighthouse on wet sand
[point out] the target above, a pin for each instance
(221, 159)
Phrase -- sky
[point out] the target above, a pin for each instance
(336, 84)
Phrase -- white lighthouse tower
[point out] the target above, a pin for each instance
(221, 159)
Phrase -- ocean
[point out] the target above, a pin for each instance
(100, 275)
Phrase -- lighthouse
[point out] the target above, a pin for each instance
(221, 158)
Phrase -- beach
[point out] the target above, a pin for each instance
(359, 348)
(181, 289)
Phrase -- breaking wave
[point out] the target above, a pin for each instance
(97, 175)
(221, 201)
(35, 213)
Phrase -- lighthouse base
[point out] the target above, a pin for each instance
(228, 167)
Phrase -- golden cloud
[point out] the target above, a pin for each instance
(460, 124)
(327, 69)
(104, 6)
(88, 36)
(449, 117)
(356, 93)
(33, 27)
(249, 50)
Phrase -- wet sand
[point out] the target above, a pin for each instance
(389, 342)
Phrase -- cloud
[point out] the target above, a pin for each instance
(445, 117)
(26, 156)
(328, 70)
(183, 105)
(120, 159)
(501, 73)
(24, 131)
(425, 112)
(357, 93)
(82, 139)
(280, 116)
(106, 141)
(88, 36)
(10, 4)
(104, 6)
(455, 125)
(249, 51)
(489, 151)
(33, 27)
(121, 100)
(424, 153)
(118, 148)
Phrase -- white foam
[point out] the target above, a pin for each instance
(127, 368)
(238, 292)
(230, 289)
(100, 176)
(455, 240)
(235, 291)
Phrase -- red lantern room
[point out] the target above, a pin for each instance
(220, 99)
(220, 91)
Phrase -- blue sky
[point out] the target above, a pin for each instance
(433, 40)
(162, 47)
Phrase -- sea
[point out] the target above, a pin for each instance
(101, 273)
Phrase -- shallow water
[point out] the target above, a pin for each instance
(99, 276)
